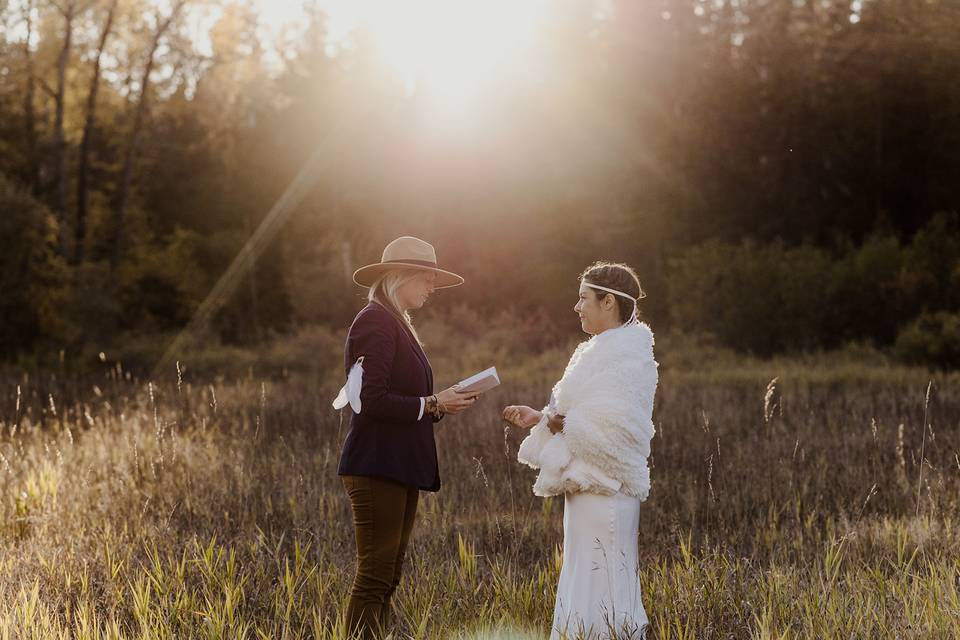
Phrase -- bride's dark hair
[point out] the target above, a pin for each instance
(614, 275)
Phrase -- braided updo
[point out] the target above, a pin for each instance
(615, 275)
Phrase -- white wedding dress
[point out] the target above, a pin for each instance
(598, 597)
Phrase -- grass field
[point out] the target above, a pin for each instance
(822, 505)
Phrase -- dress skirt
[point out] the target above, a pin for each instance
(598, 596)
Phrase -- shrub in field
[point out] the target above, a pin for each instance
(931, 275)
(760, 298)
(932, 339)
(773, 298)
(31, 273)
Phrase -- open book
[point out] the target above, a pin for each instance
(479, 383)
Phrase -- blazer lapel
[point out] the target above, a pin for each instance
(417, 349)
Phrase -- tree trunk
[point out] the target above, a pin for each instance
(59, 140)
(252, 281)
(879, 175)
(29, 114)
(83, 165)
(133, 140)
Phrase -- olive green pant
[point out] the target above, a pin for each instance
(383, 515)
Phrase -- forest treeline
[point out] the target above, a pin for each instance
(783, 173)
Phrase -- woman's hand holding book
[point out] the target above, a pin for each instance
(453, 401)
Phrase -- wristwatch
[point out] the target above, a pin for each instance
(432, 406)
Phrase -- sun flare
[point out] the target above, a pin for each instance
(452, 51)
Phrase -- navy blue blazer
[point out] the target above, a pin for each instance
(386, 439)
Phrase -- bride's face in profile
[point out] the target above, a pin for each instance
(596, 313)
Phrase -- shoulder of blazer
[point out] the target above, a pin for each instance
(375, 315)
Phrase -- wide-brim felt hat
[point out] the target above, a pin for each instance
(407, 252)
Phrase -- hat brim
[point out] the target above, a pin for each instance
(366, 276)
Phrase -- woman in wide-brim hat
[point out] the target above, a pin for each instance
(390, 454)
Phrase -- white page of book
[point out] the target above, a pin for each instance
(480, 382)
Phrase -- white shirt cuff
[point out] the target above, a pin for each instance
(422, 405)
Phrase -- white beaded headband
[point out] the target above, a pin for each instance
(633, 317)
(615, 292)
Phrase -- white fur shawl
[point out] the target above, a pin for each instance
(606, 394)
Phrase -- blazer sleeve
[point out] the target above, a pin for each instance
(377, 345)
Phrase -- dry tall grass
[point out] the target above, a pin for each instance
(801, 508)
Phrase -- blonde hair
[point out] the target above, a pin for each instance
(384, 291)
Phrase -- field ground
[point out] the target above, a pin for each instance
(821, 505)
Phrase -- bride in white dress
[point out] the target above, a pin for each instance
(591, 444)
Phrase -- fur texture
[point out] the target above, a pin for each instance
(606, 394)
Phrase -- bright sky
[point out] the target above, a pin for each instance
(451, 51)
(276, 13)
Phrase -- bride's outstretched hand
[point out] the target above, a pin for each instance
(521, 416)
